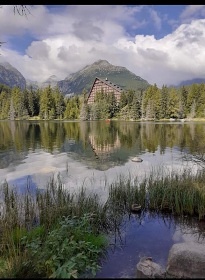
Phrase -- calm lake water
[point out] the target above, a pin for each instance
(94, 154)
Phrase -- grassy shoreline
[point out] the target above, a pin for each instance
(61, 235)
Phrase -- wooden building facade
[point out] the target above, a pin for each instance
(105, 86)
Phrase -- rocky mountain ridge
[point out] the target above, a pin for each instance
(83, 79)
(10, 76)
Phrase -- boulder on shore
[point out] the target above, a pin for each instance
(186, 260)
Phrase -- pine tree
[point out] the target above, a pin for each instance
(123, 100)
(163, 102)
(46, 103)
(4, 105)
(59, 103)
(183, 101)
(112, 105)
(84, 112)
(135, 110)
(31, 105)
(17, 105)
(173, 103)
(12, 113)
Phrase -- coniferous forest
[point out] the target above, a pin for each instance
(151, 104)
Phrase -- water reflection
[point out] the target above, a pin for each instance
(99, 137)
(150, 235)
(40, 147)
(95, 154)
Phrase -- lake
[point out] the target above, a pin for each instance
(94, 154)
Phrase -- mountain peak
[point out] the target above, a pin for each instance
(101, 62)
(84, 78)
(10, 76)
(52, 81)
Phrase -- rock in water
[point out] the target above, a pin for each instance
(137, 159)
(146, 268)
(186, 260)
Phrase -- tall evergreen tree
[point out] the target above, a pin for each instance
(173, 103)
(135, 110)
(46, 103)
(4, 105)
(182, 103)
(17, 103)
(59, 103)
(163, 102)
(123, 100)
(112, 104)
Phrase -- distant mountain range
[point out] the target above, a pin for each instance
(10, 76)
(190, 82)
(83, 79)
(76, 82)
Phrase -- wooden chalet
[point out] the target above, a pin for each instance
(105, 86)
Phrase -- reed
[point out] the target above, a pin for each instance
(33, 216)
(179, 194)
(125, 192)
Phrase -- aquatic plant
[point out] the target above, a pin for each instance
(179, 194)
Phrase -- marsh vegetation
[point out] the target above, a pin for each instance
(58, 234)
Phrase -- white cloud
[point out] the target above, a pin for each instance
(175, 57)
(39, 50)
(80, 35)
(156, 19)
(191, 12)
(35, 23)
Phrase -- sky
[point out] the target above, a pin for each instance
(163, 44)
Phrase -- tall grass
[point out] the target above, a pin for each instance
(28, 221)
(179, 194)
(36, 216)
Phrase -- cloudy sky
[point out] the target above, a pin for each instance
(163, 44)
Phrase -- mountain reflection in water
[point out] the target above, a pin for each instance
(42, 148)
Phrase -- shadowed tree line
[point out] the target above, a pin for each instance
(152, 104)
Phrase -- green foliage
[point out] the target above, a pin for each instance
(179, 194)
(84, 112)
(164, 102)
(68, 240)
(69, 251)
(118, 75)
(135, 110)
(173, 103)
(72, 110)
(4, 104)
(123, 100)
(46, 104)
(183, 102)
(152, 103)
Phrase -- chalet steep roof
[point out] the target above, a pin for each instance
(109, 83)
